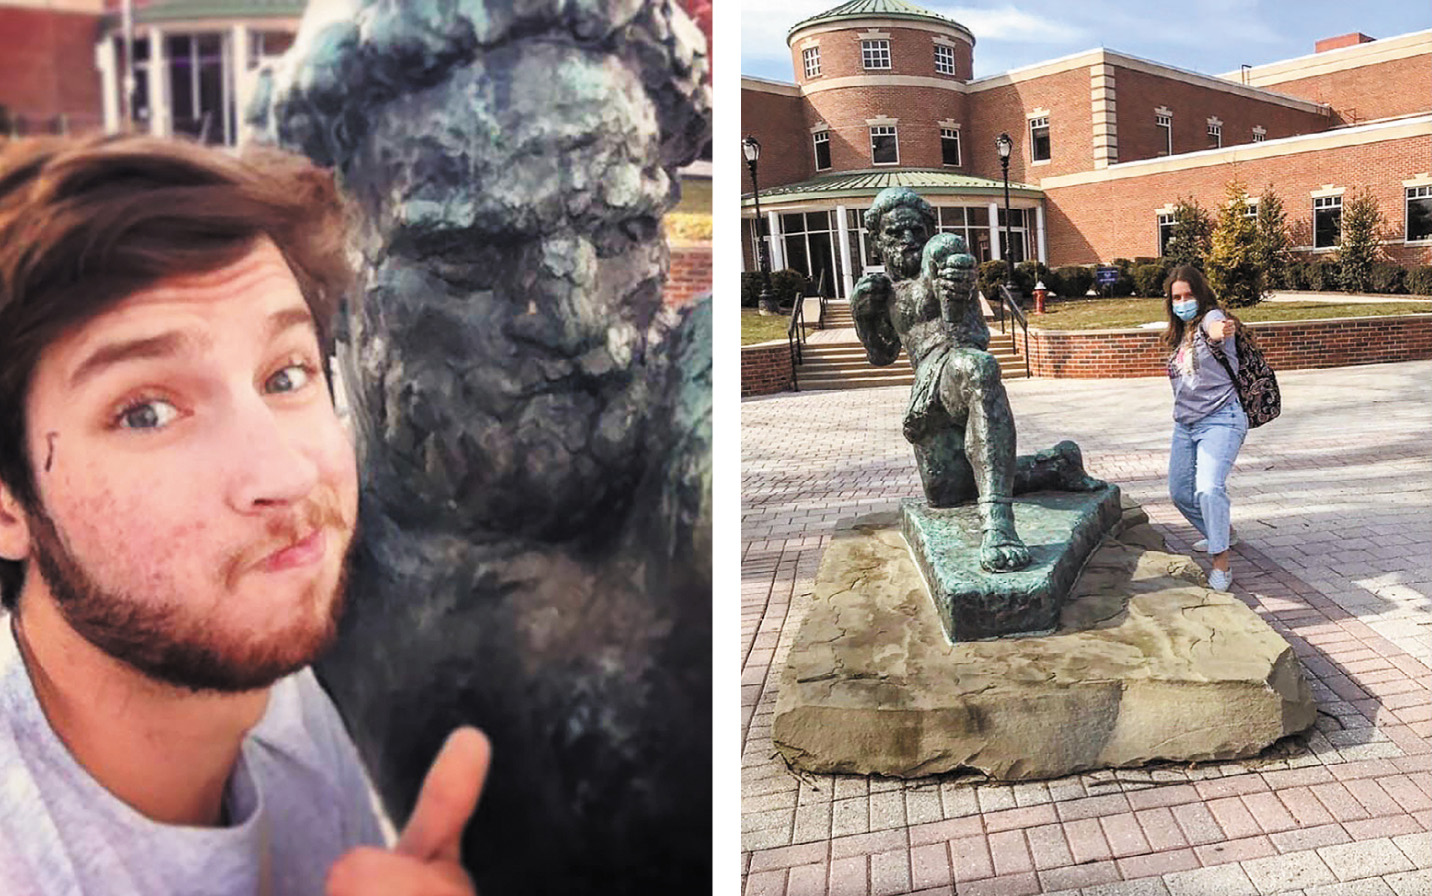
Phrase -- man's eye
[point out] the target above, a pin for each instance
(290, 379)
(148, 414)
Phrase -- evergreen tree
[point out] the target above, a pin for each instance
(1192, 234)
(1362, 227)
(1233, 271)
(1273, 249)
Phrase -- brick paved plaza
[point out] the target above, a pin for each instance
(1332, 503)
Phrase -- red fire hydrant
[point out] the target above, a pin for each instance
(1039, 293)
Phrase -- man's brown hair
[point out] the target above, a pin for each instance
(85, 223)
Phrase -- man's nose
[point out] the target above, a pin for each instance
(270, 464)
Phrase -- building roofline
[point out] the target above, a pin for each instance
(768, 85)
(820, 188)
(1398, 46)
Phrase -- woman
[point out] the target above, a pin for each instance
(1208, 422)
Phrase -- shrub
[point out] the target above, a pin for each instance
(787, 285)
(1074, 280)
(1273, 246)
(1149, 278)
(1295, 275)
(1233, 271)
(1324, 275)
(1192, 235)
(1028, 273)
(992, 274)
(1124, 286)
(750, 289)
(1419, 280)
(1362, 226)
(1388, 278)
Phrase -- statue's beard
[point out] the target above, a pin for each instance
(903, 264)
(521, 401)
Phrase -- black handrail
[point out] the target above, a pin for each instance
(1006, 298)
(795, 339)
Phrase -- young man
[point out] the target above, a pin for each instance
(177, 497)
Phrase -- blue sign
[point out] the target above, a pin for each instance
(1106, 276)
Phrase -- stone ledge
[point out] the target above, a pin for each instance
(1147, 664)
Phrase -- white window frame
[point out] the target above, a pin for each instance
(875, 51)
(818, 138)
(885, 130)
(951, 134)
(1215, 134)
(1164, 219)
(1036, 123)
(1166, 122)
(810, 58)
(1259, 134)
(1412, 193)
(1322, 203)
(1250, 208)
(944, 56)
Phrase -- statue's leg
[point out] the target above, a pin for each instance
(971, 382)
(1060, 468)
(944, 468)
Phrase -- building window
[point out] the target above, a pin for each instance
(970, 223)
(1419, 214)
(1250, 209)
(950, 146)
(1165, 124)
(811, 56)
(875, 53)
(822, 150)
(1327, 221)
(1166, 222)
(944, 59)
(1215, 135)
(1259, 135)
(1039, 139)
(883, 147)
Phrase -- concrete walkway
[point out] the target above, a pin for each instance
(1332, 503)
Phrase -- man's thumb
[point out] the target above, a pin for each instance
(448, 797)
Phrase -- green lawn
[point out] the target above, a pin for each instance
(758, 328)
(1096, 314)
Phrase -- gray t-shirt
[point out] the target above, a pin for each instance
(1200, 384)
(298, 799)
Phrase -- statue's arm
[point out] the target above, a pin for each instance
(870, 307)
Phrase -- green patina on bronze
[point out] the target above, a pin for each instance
(1060, 529)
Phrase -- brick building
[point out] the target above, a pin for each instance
(1104, 143)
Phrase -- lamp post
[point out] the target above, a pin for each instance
(1005, 145)
(751, 148)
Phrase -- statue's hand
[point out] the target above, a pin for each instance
(872, 290)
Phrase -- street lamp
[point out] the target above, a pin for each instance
(751, 148)
(1005, 145)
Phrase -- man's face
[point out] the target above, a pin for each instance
(198, 493)
(902, 239)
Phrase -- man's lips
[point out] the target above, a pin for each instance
(306, 551)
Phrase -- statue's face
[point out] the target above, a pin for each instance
(955, 278)
(901, 239)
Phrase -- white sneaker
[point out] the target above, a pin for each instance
(1202, 544)
(1219, 580)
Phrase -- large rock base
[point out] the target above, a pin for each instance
(1147, 664)
(1061, 530)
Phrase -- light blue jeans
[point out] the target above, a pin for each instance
(1199, 462)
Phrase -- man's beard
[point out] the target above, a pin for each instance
(191, 653)
(903, 267)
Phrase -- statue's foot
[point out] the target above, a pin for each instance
(1069, 464)
(1001, 550)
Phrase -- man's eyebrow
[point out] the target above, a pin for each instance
(162, 345)
(288, 318)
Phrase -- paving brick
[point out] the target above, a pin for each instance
(930, 866)
(808, 880)
(1047, 846)
(1016, 885)
(766, 883)
(1197, 823)
(1389, 826)
(1350, 861)
(1149, 886)
(850, 877)
(1224, 787)
(1410, 883)
(1072, 877)
(1304, 807)
(1086, 840)
(1373, 798)
(1268, 811)
(1407, 794)
(1094, 806)
(787, 856)
(1234, 818)
(1339, 801)
(867, 844)
(1279, 874)
(1416, 847)
(1369, 886)
(1168, 795)
(1235, 850)
(1012, 819)
(970, 859)
(1158, 863)
(890, 873)
(940, 831)
(1010, 853)
(1218, 880)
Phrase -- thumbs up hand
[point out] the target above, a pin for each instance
(427, 860)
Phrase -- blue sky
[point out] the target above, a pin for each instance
(1209, 36)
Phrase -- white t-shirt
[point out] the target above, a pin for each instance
(298, 799)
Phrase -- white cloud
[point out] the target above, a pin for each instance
(1012, 23)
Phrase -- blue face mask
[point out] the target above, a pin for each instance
(1186, 311)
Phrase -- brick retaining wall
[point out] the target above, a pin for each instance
(765, 368)
(690, 273)
(1288, 345)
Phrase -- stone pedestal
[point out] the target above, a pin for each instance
(1061, 530)
(1146, 664)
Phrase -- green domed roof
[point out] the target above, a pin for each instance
(875, 9)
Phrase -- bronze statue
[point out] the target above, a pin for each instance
(958, 419)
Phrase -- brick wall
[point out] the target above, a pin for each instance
(919, 110)
(47, 67)
(1117, 218)
(765, 368)
(777, 121)
(1398, 87)
(1005, 109)
(1289, 345)
(912, 52)
(690, 273)
(1139, 93)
